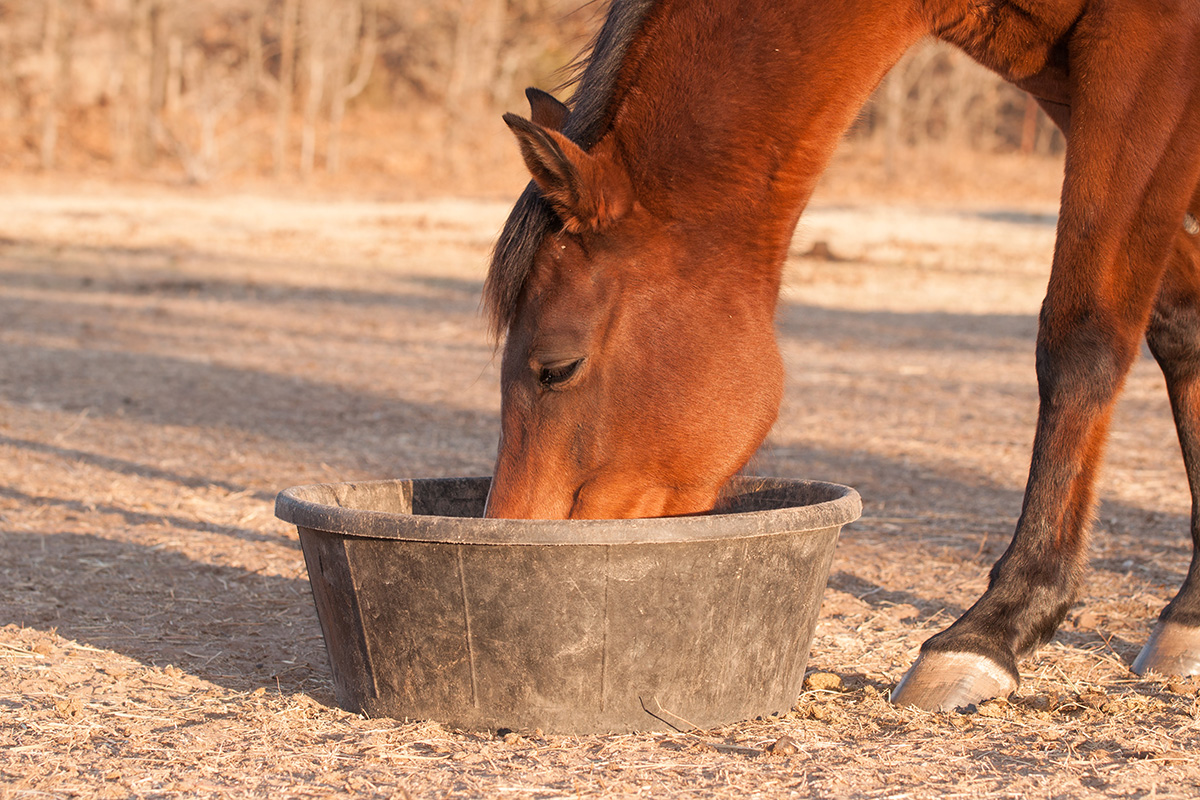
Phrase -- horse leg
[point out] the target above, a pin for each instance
(1038, 578)
(1129, 174)
(1174, 338)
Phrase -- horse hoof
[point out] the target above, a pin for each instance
(946, 681)
(1172, 649)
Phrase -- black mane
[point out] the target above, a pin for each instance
(531, 217)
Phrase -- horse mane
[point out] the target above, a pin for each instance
(594, 76)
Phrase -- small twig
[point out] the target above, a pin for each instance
(693, 726)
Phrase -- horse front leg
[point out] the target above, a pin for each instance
(1082, 359)
(1174, 338)
(1130, 170)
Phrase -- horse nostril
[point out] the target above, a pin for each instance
(553, 376)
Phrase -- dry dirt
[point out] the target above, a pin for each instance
(169, 361)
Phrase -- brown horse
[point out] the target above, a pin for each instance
(637, 277)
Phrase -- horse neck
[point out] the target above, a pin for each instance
(727, 113)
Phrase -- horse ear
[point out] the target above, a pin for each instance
(547, 110)
(588, 190)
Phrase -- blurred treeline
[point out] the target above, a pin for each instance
(402, 89)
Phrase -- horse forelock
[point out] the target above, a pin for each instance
(594, 76)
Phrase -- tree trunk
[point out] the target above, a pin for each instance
(472, 87)
(174, 88)
(476, 51)
(895, 88)
(160, 57)
(1029, 126)
(347, 88)
(141, 70)
(287, 84)
(316, 36)
(52, 80)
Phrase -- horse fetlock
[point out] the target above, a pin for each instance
(1043, 614)
(1024, 605)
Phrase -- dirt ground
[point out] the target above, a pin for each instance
(170, 360)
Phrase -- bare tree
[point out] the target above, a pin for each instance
(286, 85)
(347, 41)
(141, 75)
(54, 77)
(211, 85)
(316, 53)
(477, 43)
(131, 116)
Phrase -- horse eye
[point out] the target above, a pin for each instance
(554, 375)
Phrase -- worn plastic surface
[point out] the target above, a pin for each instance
(430, 612)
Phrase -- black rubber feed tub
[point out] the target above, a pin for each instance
(431, 612)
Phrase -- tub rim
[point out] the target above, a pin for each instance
(344, 509)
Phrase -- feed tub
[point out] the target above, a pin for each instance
(431, 612)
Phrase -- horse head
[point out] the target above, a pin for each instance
(637, 377)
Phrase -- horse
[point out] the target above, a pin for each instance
(635, 282)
